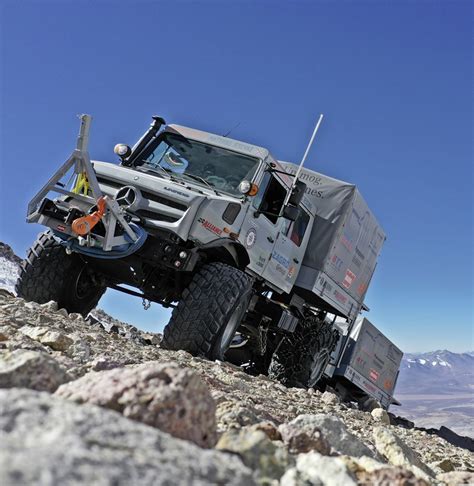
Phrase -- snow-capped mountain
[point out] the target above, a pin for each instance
(9, 267)
(437, 388)
(441, 372)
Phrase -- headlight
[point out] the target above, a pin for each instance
(122, 150)
(245, 186)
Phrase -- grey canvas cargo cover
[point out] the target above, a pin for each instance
(344, 245)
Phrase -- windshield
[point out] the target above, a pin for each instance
(202, 163)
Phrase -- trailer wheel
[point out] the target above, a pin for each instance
(302, 357)
(209, 312)
(49, 273)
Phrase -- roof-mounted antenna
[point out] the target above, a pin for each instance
(298, 172)
(316, 128)
(228, 133)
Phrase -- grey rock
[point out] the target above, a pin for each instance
(231, 414)
(47, 441)
(50, 306)
(49, 337)
(381, 416)
(398, 453)
(330, 398)
(390, 476)
(334, 431)
(268, 428)
(445, 465)
(165, 396)
(369, 404)
(456, 478)
(314, 469)
(30, 369)
(257, 452)
(303, 436)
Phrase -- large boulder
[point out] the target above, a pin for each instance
(162, 395)
(48, 441)
(30, 369)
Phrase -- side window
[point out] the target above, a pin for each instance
(297, 229)
(270, 197)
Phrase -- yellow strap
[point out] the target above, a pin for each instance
(82, 184)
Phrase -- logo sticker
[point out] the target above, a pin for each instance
(374, 375)
(210, 227)
(348, 279)
(250, 237)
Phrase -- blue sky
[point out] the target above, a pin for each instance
(393, 79)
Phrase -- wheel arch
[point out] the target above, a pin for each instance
(231, 252)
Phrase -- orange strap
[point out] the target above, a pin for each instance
(82, 226)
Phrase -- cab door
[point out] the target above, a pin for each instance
(288, 251)
(260, 230)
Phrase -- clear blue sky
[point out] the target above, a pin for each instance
(393, 79)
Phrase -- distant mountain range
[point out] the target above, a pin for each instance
(440, 372)
(435, 388)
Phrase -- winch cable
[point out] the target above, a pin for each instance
(120, 251)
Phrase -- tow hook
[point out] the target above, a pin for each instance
(82, 226)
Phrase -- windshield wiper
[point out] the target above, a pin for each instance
(167, 172)
(201, 179)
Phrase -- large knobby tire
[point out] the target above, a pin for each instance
(49, 273)
(302, 357)
(209, 312)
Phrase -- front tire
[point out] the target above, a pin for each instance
(302, 357)
(49, 273)
(209, 312)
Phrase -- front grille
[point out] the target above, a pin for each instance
(163, 200)
(109, 182)
(156, 216)
(147, 195)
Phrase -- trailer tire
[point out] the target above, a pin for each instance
(302, 357)
(209, 312)
(49, 273)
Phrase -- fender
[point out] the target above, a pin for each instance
(226, 250)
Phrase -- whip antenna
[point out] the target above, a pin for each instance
(316, 128)
(298, 172)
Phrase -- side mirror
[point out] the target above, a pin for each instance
(297, 193)
(291, 212)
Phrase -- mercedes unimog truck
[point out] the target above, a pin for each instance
(264, 265)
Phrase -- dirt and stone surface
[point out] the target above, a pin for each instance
(99, 402)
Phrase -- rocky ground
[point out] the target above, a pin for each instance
(98, 402)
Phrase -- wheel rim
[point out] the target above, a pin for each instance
(230, 329)
(84, 284)
(319, 366)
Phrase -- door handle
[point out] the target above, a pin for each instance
(270, 239)
(296, 260)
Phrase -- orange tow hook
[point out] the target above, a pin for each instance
(82, 226)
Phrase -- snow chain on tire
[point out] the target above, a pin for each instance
(293, 362)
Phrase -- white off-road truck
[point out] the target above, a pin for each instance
(262, 270)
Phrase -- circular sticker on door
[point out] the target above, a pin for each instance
(250, 237)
